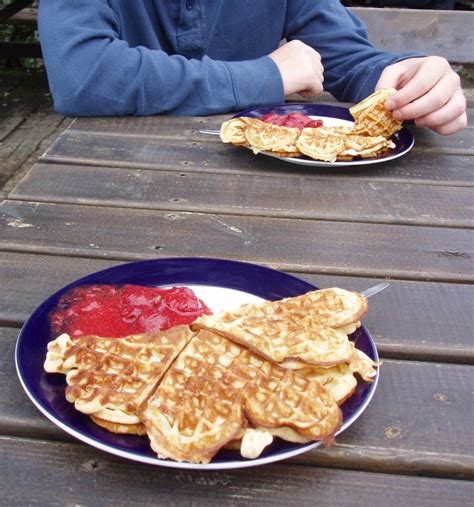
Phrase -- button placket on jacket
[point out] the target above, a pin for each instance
(189, 37)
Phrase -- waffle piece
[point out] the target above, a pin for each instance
(324, 143)
(371, 117)
(216, 387)
(124, 429)
(260, 136)
(309, 329)
(332, 307)
(264, 136)
(109, 378)
(339, 379)
(254, 439)
(364, 146)
(340, 143)
(361, 364)
(284, 339)
(233, 131)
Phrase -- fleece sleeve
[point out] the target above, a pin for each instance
(352, 66)
(91, 71)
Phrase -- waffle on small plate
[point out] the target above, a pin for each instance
(369, 137)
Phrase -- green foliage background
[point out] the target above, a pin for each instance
(19, 33)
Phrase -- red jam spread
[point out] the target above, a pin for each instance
(120, 310)
(295, 120)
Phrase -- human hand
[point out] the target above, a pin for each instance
(300, 68)
(429, 92)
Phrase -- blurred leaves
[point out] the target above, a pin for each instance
(10, 32)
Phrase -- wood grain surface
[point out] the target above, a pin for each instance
(83, 474)
(305, 196)
(355, 248)
(115, 190)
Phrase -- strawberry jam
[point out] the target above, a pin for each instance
(294, 120)
(120, 310)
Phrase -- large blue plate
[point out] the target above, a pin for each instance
(47, 390)
(331, 115)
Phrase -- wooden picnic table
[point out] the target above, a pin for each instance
(113, 190)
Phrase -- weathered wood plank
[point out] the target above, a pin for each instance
(393, 319)
(18, 415)
(417, 320)
(432, 398)
(187, 128)
(214, 157)
(77, 473)
(379, 441)
(18, 103)
(427, 141)
(24, 144)
(432, 32)
(343, 248)
(304, 197)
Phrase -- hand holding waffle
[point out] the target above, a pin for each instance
(429, 92)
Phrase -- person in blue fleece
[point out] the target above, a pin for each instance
(202, 57)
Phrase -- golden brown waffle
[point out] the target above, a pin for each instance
(339, 379)
(310, 329)
(364, 146)
(260, 136)
(361, 364)
(322, 143)
(109, 378)
(371, 117)
(339, 143)
(233, 131)
(332, 307)
(264, 136)
(196, 393)
(215, 387)
(124, 429)
(283, 339)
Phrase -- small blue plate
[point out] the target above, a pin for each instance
(331, 116)
(47, 390)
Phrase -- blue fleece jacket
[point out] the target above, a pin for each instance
(196, 57)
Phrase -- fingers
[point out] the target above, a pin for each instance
(394, 75)
(420, 76)
(449, 119)
(429, 100)
(398, 74)
(453, 126)
(428, 91)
